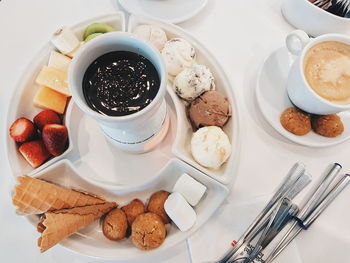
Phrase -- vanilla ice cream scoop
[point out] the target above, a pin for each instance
(178, 54)
(193, 81)
(210, 147)
(153, 34)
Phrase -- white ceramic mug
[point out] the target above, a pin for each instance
(299, 91)
(313, 20)
(138, 132)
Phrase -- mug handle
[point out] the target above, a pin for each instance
(296, 41)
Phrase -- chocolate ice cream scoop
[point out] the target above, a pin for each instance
(210, 109)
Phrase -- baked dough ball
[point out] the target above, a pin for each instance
(148, 231)
(296, 121)
(133, 209)
(156, 205)
(327, 125)
(115, 224)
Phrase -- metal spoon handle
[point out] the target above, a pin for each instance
(323, 204)
(293, 175)
(327, 200)
(319, 191)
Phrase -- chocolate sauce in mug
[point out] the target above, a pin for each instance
(120, 83)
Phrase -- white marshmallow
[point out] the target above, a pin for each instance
(65, 40)
(191, 189)
(180, 212)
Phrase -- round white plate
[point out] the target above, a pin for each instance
(127, 176)
(172, 11)
(272, 98)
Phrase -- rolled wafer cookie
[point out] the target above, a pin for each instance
(35, 196)
(57, 225)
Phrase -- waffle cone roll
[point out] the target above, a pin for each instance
(57, 225)
(35, 196)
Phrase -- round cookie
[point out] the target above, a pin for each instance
(148, 231)
(135, 208)
(156, 205)
(327, 125)
(296, 121)
(115, 224)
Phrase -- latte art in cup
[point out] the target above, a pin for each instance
(327, 71)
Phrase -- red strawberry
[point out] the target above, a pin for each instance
(22, 130)
(34, 152)
(46, 117)
(55, 138)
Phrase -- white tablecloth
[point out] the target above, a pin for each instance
(240, 34)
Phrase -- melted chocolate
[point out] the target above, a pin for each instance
(120, 83)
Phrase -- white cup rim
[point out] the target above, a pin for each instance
(95, 42)
(327, 13)
(314, 41)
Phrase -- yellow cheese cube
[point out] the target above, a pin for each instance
(59, 61)
(55, 79)
(49, 99)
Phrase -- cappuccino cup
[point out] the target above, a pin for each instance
(319, 79)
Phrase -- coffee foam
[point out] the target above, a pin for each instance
(327, 70)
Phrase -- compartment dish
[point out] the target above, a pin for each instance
(91, 241)
(181, 145)
(92, 165)
(22, 99)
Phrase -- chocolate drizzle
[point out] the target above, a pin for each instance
(120, 83)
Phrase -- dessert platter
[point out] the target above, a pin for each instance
(83, 187)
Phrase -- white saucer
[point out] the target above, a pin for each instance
(172, 11)
(272, 98)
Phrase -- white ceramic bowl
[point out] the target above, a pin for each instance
(313, 20)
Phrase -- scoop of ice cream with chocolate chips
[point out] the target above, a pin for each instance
(193, 81)
(178, 54)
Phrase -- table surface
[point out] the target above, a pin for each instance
(239, 33)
